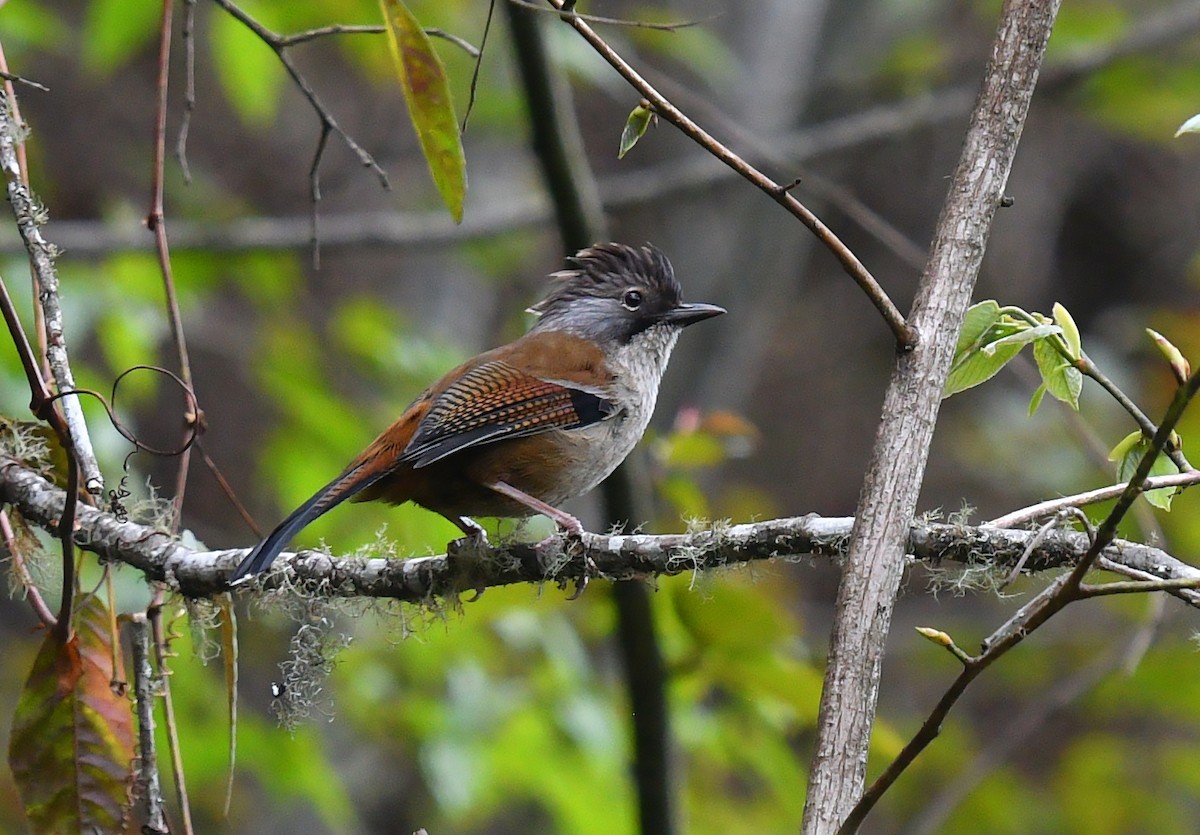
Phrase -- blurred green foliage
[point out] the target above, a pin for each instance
(510, 711)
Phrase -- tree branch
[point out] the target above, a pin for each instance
(29, 216)
(420, 579)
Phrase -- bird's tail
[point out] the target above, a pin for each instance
(350, 482)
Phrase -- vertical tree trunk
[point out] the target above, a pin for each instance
(874, 565)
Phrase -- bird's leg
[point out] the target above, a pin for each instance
(561, 518)
(572, 526)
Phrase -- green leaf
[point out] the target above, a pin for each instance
(1123, 446)
(427, 94)
(1022, 337)
(978, 320)
(114, 30)
(1163, 465)
(1060, 377)
(969, 367)
(1192, 125)
(684, 496)
(693, 450)
(31, 25)
(1180, 367)
(248, 70)
(71, 747)
(977, 367)
(1070, 331)
(635, 128)
(1036, 400)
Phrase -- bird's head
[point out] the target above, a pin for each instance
(612, 293)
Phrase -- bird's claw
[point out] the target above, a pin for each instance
(467, 551)
(570, 543)
(589, 568)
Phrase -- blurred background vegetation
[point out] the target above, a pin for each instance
(509, 715)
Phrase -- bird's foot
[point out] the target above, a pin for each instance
(569, 545)
(466, 552)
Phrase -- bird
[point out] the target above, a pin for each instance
(522, 428)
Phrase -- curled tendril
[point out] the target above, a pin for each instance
(195, 417)
(116, 498)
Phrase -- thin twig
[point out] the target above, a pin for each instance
(229, 492)
(1087, 590)
(930, 728)
(564, 11)
(1086, 366)
(193, 422)
(284, 41)
(145, 690)
(906, 338)
(29, 216)
(478, 56)
(157, 224)
(1107, 530)
(189, 94)
(161, 653)
(41, 399)
(1090, 441)
(32, 592)
(8, 76)
(1105, 564)
(65, 531)
(1037, 540)
(39, 315)
(789, 156)
(279, 45)
(462, 43)
(1100, 494)
(1006, 741)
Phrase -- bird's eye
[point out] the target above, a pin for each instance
(632, 299)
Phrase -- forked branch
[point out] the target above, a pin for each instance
(1066, 589)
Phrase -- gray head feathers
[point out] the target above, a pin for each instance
(609, 293)
(607, 270)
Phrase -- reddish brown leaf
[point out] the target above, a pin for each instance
(71, 746)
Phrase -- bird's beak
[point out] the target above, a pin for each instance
(688, 314)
